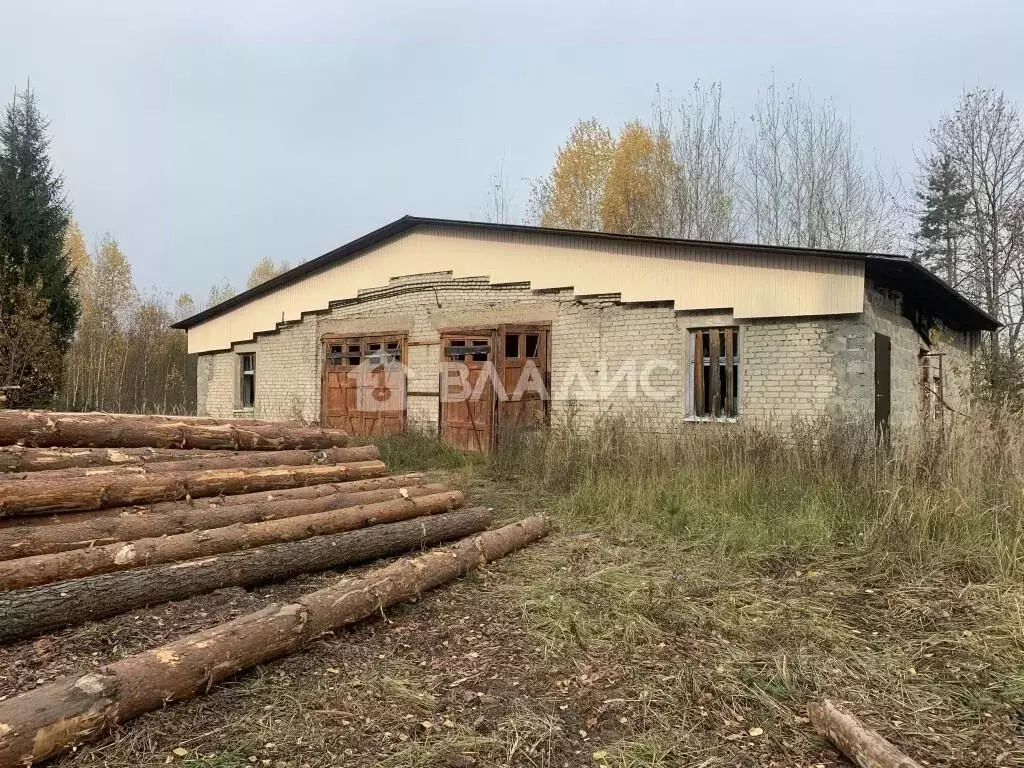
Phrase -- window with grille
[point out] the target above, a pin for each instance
(714, 373)
(247, 388)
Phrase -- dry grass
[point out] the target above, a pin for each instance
(700, 590)
(955, 504)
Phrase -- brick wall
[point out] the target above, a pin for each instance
(605, 357)
(584, 332)
(883, 314)
(215, 382)
(802, 368)
(617, 359)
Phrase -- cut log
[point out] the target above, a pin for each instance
(33, 611)
(199, 463)
(113, 415)
(18, 458)
(47, 539)
(207, 502)
(122, 556)
(865, 747)
(40, 429)
(45, 721)
(31, 496)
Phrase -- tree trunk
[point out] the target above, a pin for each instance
(40, 429)
(33, 611)
(17, 458)
(864, 747)
(214, 502)
(45, 721)
(123, 556)
(198, 463)
(47, 539)
(31, 496)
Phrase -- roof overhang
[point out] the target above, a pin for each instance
(898, 271)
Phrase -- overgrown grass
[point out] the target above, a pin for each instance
(952, 502)
(703, 588)
(417, 451)
(731, 575)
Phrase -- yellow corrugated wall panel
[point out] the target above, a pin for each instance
(751, 284)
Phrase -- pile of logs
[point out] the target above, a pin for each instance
(102, 514)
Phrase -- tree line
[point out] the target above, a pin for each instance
(76, 332)
(795, 175)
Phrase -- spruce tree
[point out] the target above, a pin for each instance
(943, 220)
(34, 215)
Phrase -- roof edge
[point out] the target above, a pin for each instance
(408, 223)
(377, 236)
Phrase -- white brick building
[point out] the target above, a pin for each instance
(467, 329)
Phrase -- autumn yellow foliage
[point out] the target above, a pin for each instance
(600, 183)
(637, 193)
(578, 178)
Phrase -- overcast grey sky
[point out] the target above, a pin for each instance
(206, 135)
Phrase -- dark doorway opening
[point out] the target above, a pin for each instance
(883, 382)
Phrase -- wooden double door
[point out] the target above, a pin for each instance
(493, 380)
(364, 384)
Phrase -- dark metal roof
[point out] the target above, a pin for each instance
(897, 271)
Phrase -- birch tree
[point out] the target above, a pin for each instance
(804, 181)
(498, 202)
(638, 191)
(704, 147)
(265, 269)
(571, 196)
(125, 356)
(982, 140)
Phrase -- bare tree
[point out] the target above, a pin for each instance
(704, 147)
(805, 182)
(498, 204)
(539, 201)
(983, 140)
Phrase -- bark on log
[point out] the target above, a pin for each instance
(31, 496)
(40, 429)
(199, 463)
(18, 458)
(861, 745)
(159, 417)
(47, 720)
(208, 502)
(122, 556)
(47, 539)
(28, 612)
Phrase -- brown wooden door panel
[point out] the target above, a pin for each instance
(524, 372)
(467, 407)
(364, 384)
